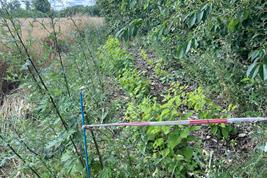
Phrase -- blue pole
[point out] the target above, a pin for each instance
(84, 137)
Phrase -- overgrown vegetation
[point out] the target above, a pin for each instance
(216, 43)
(151, 61)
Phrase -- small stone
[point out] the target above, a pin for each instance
(208, 137)
(241, 135)
(214, 140)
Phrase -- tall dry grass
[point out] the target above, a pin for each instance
(38, 30)
(34, 28)
(35, 33)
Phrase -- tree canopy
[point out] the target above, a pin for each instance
(42, 5)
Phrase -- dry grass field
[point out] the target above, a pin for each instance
(35, 32)
(39, 28)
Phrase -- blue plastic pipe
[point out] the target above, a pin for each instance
(84, 138)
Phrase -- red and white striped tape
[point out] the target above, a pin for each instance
(181, 122)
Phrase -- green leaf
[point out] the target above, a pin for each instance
(204, 7)
(264, 71)
(181, 51)
(66, 156)
(232, 25)
(188, 47)
(207, 10)
(214, 130)
(253, 55)
(192, 20)
(225, 132)
(245, 15)
(200, 16)
(194, 43)
(185, 133)
(251, 69)
(68, 160)
(255, 71)
(146, 5)
(165, 112)
(187, 153)
(173, 139)
(158, 142)
(105, 173)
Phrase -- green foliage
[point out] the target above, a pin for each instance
(42, 5)
(166, 149)
(41, 139)
(130, 30)
(134, 83)
(209, 44)
(145, 57)
(115, 60)
(194, 18)
(79, 9)
(214, 43)
(259, 65)
(13, 5)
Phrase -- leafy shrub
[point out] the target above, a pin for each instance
(171, 150)
(134, 83)
(114, 59)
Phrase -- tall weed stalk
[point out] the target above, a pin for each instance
(23, 50)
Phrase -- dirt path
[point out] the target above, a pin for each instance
(156, 86)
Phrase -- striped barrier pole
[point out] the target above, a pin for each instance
(180, 122)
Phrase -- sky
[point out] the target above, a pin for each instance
(61, 4)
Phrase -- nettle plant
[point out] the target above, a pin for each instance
(173, 150)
